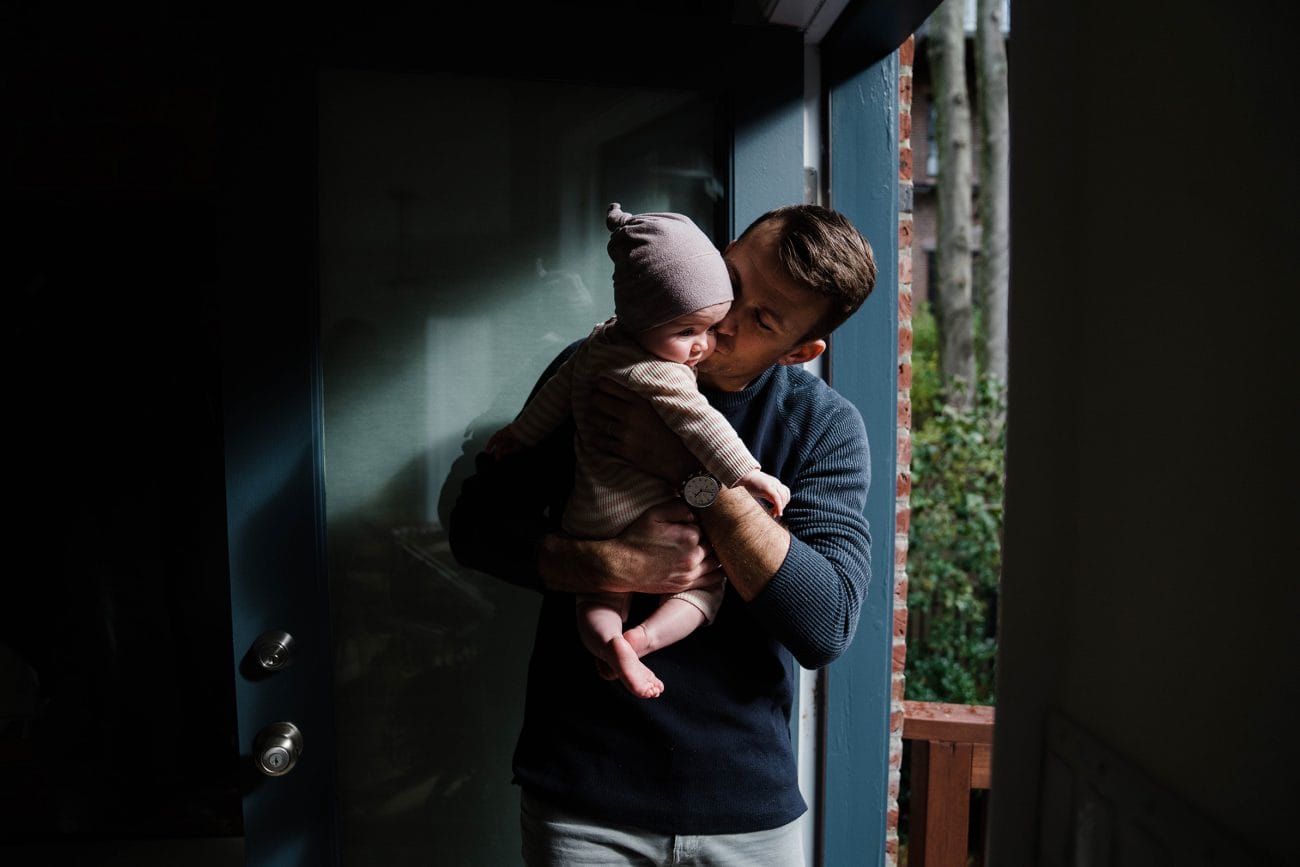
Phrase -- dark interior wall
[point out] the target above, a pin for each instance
(1149, 587)
(116, 605)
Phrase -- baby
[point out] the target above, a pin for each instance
(671, 289)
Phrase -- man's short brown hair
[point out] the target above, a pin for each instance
(822, 251)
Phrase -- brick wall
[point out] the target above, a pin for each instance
(904, 439)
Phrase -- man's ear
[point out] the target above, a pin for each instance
(803, 352)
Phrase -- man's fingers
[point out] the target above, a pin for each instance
(674, 512)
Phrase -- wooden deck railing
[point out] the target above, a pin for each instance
(952, 753)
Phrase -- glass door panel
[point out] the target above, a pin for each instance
(462, 245)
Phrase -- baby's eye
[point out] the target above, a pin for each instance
(688, 332)
(761, 324)
(713, 329)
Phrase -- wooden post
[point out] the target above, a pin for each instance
(941, 775)
(951, 754)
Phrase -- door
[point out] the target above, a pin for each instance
(457, 240)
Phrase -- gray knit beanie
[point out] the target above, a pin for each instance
(664, 267)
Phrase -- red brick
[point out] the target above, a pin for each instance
(904, 233)
(900, 658)
(904, 455)
(896, 719)
(903, 520)
(905, 302)
(904, 126)
(905, 89)
(900, 623)
(904, 267)
(907, 51)
(903, 486)
(900, 586)
(905, 375)
(904, 339)
(905, 164)
(899, 689)
(891, 846)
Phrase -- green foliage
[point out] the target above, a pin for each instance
(954, 549)
(926, 381)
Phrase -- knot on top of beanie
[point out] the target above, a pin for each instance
(616, 217)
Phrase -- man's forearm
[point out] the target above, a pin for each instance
(750, 544)
(659, 552)
(569, 565)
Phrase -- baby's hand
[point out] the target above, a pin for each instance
(765, 487)
(502, 443)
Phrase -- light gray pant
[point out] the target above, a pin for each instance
(554, 838)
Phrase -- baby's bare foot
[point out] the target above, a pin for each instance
(638, 679)
(639, 638)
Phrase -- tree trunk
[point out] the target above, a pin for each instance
(947, 55)
(995, 170)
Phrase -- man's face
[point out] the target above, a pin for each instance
(770, 315)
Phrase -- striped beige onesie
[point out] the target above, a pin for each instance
(609, 494)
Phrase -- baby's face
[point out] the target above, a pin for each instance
(687, 339)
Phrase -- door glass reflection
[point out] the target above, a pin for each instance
(462, 245)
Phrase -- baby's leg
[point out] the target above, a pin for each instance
(672, 621)
(601, 629)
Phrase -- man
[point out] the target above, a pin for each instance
(705, 773)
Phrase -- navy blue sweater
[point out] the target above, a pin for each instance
(712, 755)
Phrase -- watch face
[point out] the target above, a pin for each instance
(700, 491)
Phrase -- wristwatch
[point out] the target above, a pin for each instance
(700, 490)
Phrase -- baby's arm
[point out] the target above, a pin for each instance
(545, 411)
(672, 392)
(766, 487)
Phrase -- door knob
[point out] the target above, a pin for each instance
(274, 649)
(277, 748)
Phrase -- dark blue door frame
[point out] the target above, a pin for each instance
(863, 142)
(275, 505)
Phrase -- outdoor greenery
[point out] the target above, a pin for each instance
(954, 542)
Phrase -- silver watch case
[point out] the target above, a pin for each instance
(700, 490)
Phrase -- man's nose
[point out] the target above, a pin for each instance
(728, 324)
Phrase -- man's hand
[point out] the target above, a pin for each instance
(626, 426)
(662, 551)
